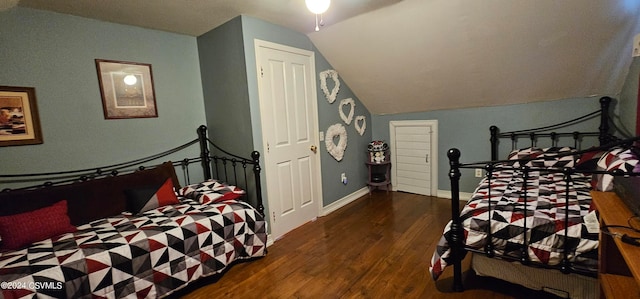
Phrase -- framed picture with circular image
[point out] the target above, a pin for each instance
(19, 121)
(126, 89)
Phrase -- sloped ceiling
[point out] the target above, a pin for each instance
(422, 55)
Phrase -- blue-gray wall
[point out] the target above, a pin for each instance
(353, 161)
(355, 156)
(229, 79)
(55, 53)
(224, 83)
(468, 129)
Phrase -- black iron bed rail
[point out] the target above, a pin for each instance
(627, 143)
(87, 173)
(224, 167)
(548, 131)
(221, 163)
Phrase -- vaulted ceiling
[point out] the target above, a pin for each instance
(421, 55)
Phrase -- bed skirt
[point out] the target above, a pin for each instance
(572, 285)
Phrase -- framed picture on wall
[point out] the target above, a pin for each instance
(126, 89)
(19, 120)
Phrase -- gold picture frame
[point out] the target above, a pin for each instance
(127, 89)
(19, 120)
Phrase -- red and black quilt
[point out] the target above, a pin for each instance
(544, 218)
(136, 256)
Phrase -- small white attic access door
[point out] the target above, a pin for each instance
(414, 156)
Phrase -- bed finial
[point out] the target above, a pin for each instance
(255, 155)
(204, 151)
(494, 142)
(603, 136)
(454, 157)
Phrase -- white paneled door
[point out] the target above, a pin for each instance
(288, 109)
(414, 153)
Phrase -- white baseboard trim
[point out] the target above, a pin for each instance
(332, 207)
(447, 194)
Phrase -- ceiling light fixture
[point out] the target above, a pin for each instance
(318, 7)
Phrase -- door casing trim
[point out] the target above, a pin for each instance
(434, 149)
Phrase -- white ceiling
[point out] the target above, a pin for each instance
(421, 55)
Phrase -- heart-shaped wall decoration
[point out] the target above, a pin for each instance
(336, 151)
(331, 97)
(347, 119)
(360, 124)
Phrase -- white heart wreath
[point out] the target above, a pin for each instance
(360, 128)
(331, 97)
(349, 101)
(336, 151)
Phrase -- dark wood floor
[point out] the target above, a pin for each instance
(375, 247)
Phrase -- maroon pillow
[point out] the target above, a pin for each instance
(20, 230)
(589, 160)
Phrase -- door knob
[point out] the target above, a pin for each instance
(314, 149)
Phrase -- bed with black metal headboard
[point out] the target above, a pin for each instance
(550, 132)
(132, 229)
(534, 207)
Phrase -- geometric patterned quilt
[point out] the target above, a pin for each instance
(136, 256)
(545, 220)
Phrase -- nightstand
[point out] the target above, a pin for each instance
(619, 262)
(379, 175)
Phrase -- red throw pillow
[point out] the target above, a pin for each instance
(148, 198)
(20, 230)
